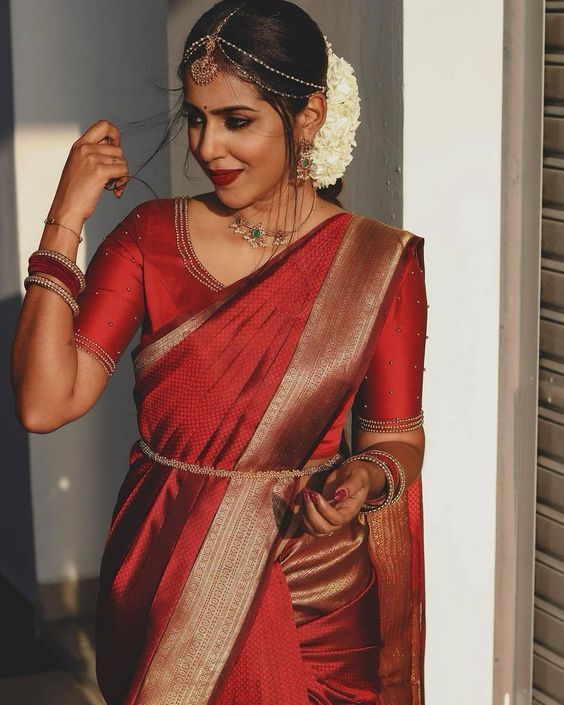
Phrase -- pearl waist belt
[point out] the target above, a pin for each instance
(222, 472)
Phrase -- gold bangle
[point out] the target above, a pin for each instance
(52, 286)
(50, 221)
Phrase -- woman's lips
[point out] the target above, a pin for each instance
(224, 177)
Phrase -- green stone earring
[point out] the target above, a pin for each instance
(304, 160)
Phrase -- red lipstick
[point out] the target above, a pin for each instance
(223, 177)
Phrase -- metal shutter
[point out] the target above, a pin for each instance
(548, 649)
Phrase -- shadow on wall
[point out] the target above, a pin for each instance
(103, 60)
(17, 553)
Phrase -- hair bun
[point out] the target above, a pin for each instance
(331, 193)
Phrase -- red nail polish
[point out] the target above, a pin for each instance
(314, 496)
(305, 493)
(341, 494)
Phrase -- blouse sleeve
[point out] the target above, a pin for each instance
(390, 396)
(111, 307)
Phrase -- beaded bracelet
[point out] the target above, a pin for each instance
(64, 260)
(52, 286)
(53, 266)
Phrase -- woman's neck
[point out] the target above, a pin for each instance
(289, 210)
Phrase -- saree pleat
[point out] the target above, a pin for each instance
(255, 677)
(332, 659)
(231, 402)
(139, 591)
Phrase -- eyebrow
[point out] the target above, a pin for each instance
(220, 111)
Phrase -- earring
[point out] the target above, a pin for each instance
(305, 162)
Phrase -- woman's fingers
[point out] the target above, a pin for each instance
(108, 149)
(113, 170)
(345, 486)
(98, 131)
(319, 517)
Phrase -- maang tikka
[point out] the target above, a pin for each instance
(206, 68)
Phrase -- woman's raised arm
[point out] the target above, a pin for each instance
(53, 381)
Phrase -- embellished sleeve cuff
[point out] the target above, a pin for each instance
(97, 351)
(394, 425)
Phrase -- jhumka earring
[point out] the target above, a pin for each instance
(304, 160)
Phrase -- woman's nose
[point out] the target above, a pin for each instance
(210, 145)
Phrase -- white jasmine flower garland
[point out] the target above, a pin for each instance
(333, 144)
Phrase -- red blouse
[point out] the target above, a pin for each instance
(145, 272)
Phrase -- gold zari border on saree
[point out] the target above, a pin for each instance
(217, 594)
(338, 327)
(161, 346)
(223, 582)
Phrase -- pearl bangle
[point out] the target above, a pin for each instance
(52, 286)
(392, 493)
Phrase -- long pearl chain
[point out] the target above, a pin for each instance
(255, 234)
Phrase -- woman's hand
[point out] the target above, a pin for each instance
(345, 490)
(94, 159)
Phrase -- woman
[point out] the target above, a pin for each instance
(251, 558)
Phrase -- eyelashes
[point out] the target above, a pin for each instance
(232, 123)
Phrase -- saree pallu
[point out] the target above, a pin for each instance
(193, 606)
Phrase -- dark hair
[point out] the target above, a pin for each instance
(282, 35)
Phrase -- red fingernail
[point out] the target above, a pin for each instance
(314, 496)
(305, 494)
(341, 494)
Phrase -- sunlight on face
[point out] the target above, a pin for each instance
(231, 127)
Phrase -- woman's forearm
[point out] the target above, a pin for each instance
(44, 356)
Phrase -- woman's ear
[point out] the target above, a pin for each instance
(312, 117)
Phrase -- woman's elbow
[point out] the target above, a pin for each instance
(36, 422)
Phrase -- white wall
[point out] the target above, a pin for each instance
(452, 195)
(75, 62)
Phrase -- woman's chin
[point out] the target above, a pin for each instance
(232, 199)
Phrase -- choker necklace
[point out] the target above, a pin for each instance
(256, 235)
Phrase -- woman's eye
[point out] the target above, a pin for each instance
(192, 120)
(237, 123)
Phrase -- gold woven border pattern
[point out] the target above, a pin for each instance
(217, 595)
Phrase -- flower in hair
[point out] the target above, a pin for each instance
(333, 144)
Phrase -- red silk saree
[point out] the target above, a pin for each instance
(234, 397)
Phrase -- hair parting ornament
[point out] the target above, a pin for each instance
(332, 147)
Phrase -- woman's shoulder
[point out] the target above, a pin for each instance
(152, 208)
(156, 215)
